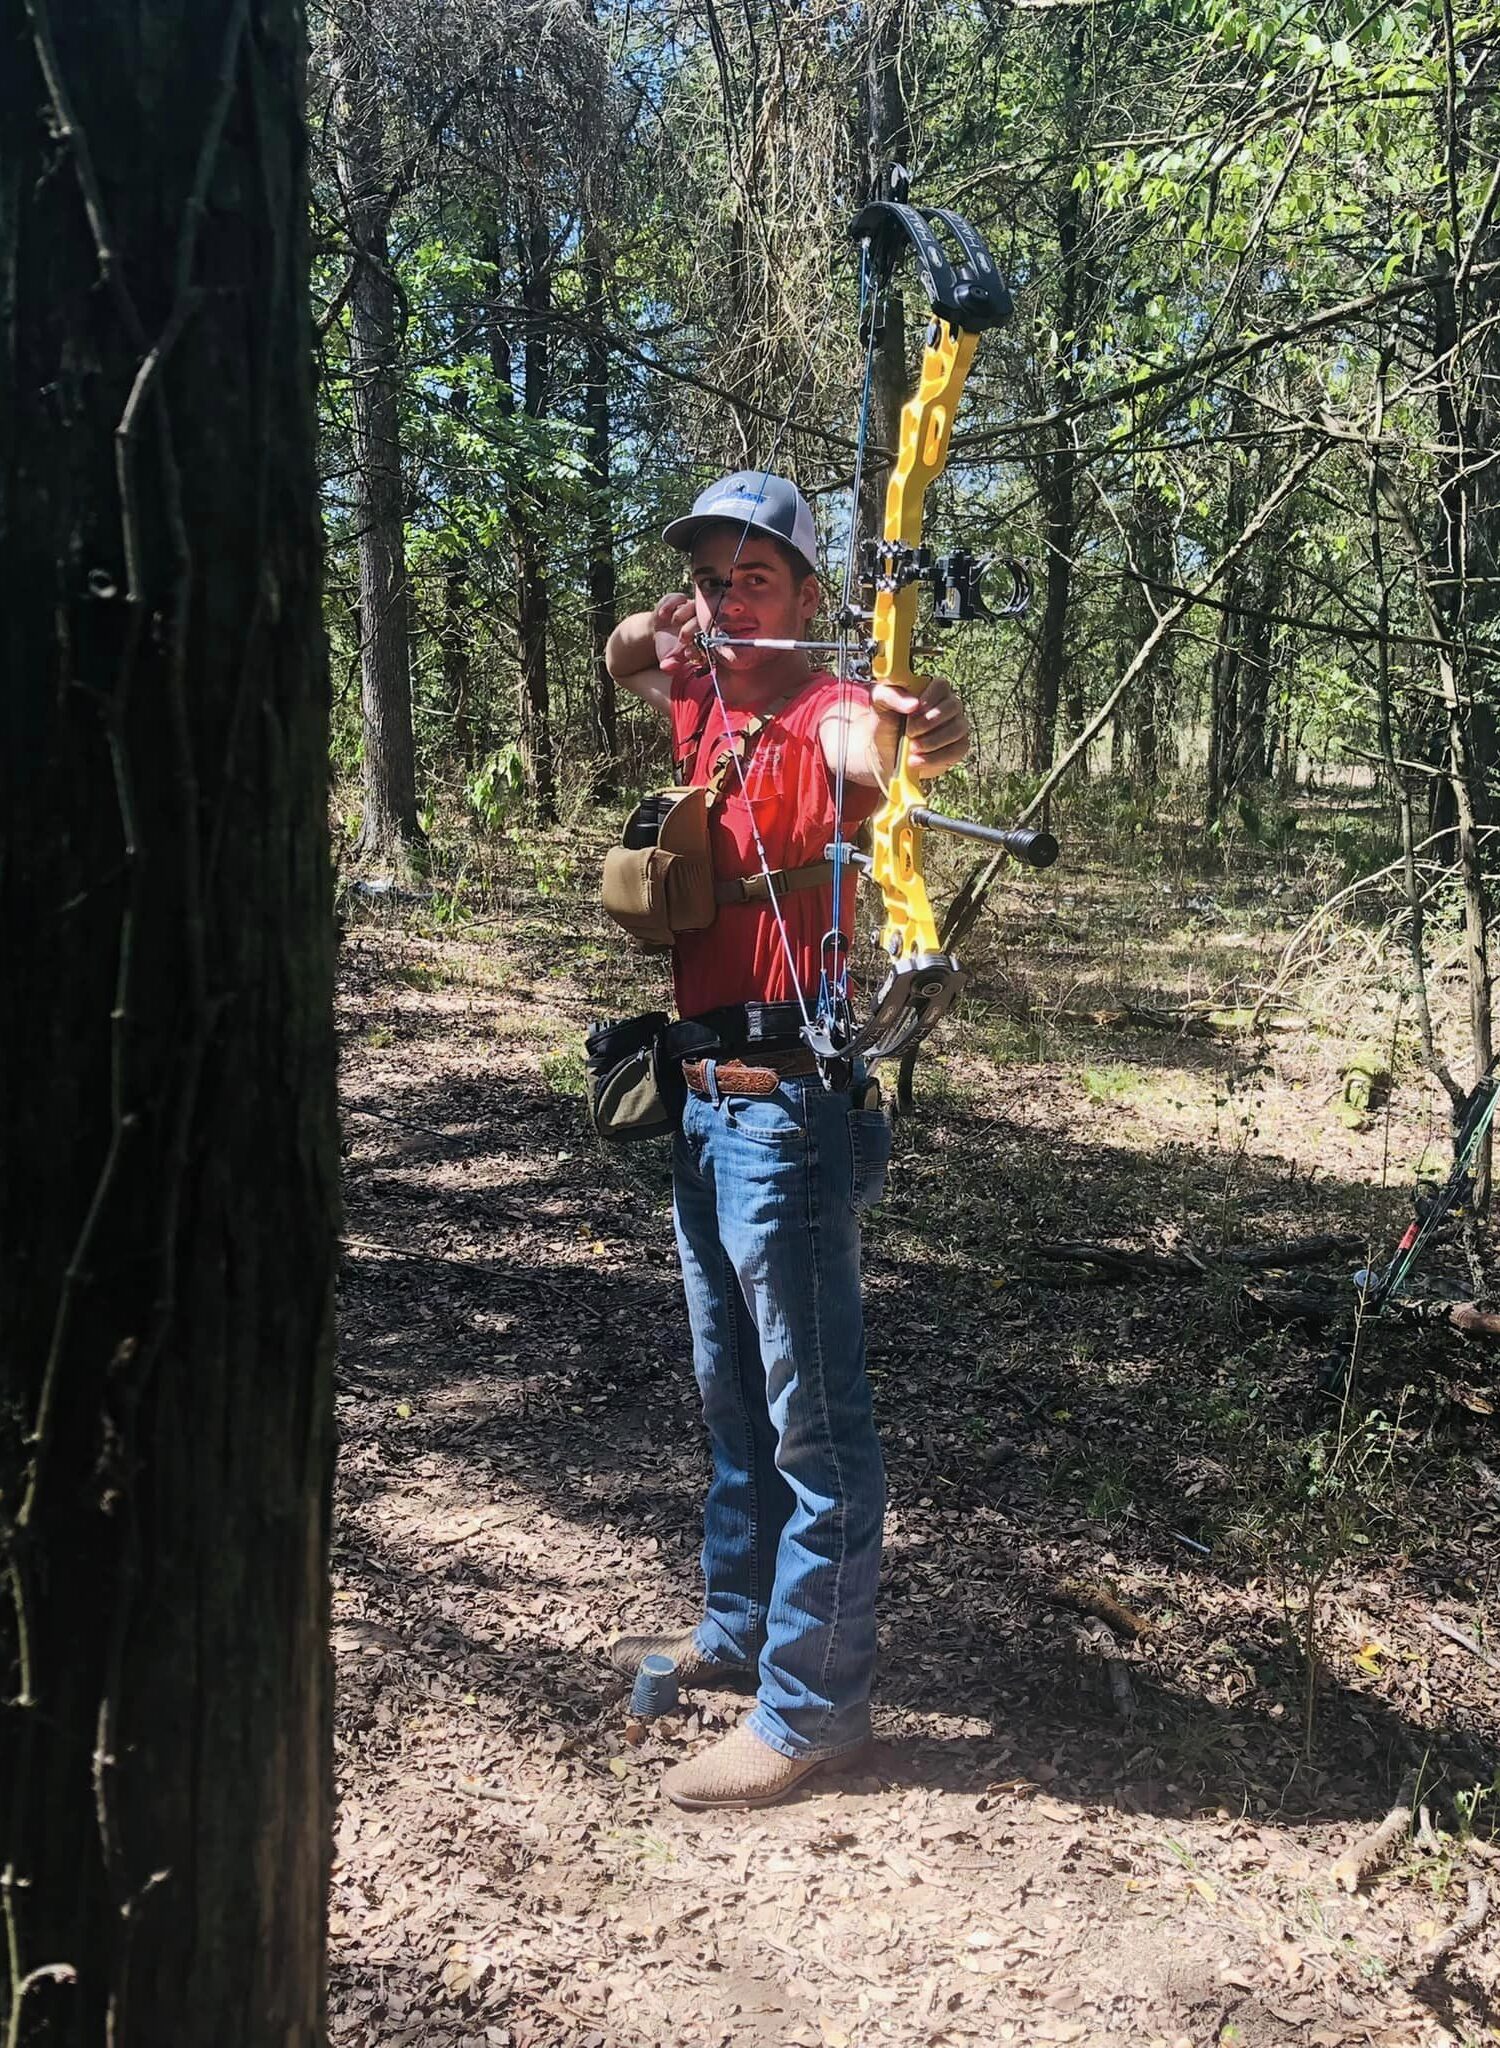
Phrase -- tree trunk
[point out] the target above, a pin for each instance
(390, 829)
(456, 640)
(1152, 521)
(1258, 664)
(603, 598)
(1224, 675)
(1223, 707)
(168, 1148)
(1057, 496)
(534, 592)
(526, 503)
(458, 660)
(1055, 684)
(888, 142)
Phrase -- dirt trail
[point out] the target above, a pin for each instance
(1037, 1852)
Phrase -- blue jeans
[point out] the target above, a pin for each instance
(768, 1192)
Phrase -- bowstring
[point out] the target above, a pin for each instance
(731, 738)
(833, 978)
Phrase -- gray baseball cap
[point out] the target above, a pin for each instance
(754, 499)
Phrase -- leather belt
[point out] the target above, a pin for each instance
(735, 1077)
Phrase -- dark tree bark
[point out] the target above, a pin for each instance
(1465, 549)
(1462, 586)
(1152, 521)
(1224, 674)
(529, 515)
(888, 141)
(168, 1149)
(456, 639)
(458, 662)
(390, 829)
(603, 596)
(1223, 709)
(1263, 647)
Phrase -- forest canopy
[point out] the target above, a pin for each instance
(573, 262)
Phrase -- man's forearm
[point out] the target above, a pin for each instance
(631, 647)
(850, 738)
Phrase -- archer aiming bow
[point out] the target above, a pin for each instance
(884, 578)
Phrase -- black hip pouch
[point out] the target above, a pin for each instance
(633, 1092)
(634, 1074)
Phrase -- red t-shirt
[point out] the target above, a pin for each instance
(740, 958)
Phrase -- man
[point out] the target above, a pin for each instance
(770, 1169)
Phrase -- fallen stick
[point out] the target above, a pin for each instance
(1097, 1635)
(1472, 1321)
(1463, 1929)
(1464, 1641)
(1123, 1265)
(1197, 1020)
(1298, 1304)
(1356, 1864)
(1302, 1251)
(1303, 1305)
(1188, 1265)
(1104, 1605)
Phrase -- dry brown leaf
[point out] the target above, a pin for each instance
(1053, 1809)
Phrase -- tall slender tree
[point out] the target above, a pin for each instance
(602, 580)
(390, 827)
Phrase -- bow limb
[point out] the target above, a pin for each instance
(910, 930)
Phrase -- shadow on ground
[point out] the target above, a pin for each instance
(511, 1310)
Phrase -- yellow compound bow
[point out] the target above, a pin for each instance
(965, 295)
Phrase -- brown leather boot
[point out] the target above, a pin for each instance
(693, 1667)
(742, 1771)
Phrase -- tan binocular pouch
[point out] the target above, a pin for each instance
(659, 889)
(660, 880)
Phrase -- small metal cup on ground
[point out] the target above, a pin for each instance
(655, 1689)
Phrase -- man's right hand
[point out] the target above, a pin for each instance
(675, 623)
(647, 649)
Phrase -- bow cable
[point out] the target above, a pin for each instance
(732, 739)
(833, 979)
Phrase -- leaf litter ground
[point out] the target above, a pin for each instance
(1065, 1832)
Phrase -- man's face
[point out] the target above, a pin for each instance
(744, 586)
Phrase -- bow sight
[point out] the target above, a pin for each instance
(955, 582)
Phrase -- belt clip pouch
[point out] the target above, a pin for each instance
(689, 1040)
(632, 1093)
(660, 880)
